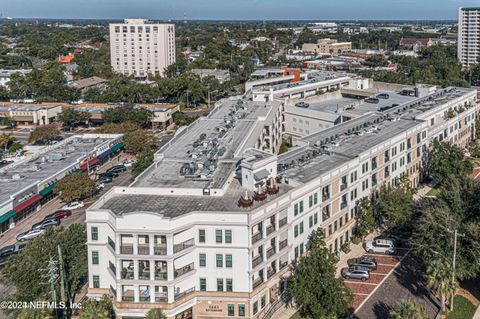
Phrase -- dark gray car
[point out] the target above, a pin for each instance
(367, 262)
(46, 223)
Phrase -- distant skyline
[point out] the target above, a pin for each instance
(237, 9)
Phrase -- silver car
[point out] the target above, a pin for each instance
(356, 272)
(31, 234)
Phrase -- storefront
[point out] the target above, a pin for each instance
(187, 314)
(26, 207)
(6, 220)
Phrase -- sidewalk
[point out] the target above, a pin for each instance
(477, 314)
(285, 312)
(355, 252)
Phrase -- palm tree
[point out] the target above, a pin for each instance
(439, 280)
(155, 314)
(408, 309)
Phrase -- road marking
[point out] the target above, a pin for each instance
(360, 294)
(360, 282)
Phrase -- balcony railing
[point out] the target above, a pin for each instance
(343, 187)
(161, 297)
(283, 264)
(143, 250)
(270, 229)
(257, 282)
(271, 272)
(256, 237)
(128, 298)
(343, 205)
(161, 276)
(127, 275)
(282, 222)
(271, 251)
(160, 250)
(325, 196)
(257, 261)
(182, 271)
(283, 243)
(126, 250)
(111, 243)
(144, 275)
(182, 246)
(184, 293)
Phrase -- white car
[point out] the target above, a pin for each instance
(31, 234)
(381, 246)
(100, 186)
(129, 163)
(73, 205)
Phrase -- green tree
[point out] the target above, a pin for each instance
(15, 146)
(72, 118)
(439, 280)
(35, 313)
(75, 186)
(447, 160)
(181, 119)
(6, 141)
(139, 141)
(97, 309)
(139, 116)
(44, 133)
(26, 270)
(365, 218)
(395, 205)
(408, 309)
(155, 314)
(144, 160)
(314, 287)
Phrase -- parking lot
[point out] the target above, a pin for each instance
(362, 290)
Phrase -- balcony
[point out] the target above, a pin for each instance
(126, 249)
(184, 270)
(271, 251)
(128, 298)
(182, 246)
(282, 222)
(343, 205)
(343, 187)
(257, 282)
(271, 272)
(257, 261)
(270, 229)
(283, 264)
(143, 249)
(161, 276)
(184, 293)
(161, 297)
(256, 237)
(127, 275)
(160, 250)
(283, 243)
(111, 243)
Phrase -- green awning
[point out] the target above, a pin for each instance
(117, 146)
(5, 217)
(47, 190)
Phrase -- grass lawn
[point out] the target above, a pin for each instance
(463, 309)
(434, 191)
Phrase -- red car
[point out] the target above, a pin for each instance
(60, 214)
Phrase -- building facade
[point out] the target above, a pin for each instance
(327, 46)
(215, 240)
(141, 48)
(468, 35)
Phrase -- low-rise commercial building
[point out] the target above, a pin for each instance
(29, 183)
(93, 82)
(327, 46)
(220, 75)
(210, 228)
(30, 114)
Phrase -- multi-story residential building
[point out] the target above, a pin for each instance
(327, 46)
(30, 180)
(468, 35)
(141, 48)
(208, 231)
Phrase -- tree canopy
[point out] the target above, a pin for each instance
(72, 118)
(408, 309)
(44, 134)
(395, 205)
(75, 186)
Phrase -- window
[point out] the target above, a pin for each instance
(341, 222)
(262, 302)
(96, 281)
(310, 221)
(228, 236)
(203, 260)
(231, 310)
(335, 226)
(201, 235)
(353, 177)
(220, 284)
(301, 228)
(219, 260)
(218, 236)
(229, 284)
(94, 233)
(203, 284)
(329, 229)
(295, 231)
(241, 310)
(315, 218)
(346, 218)
(255, 307)
(296, 252)
(228, 261)
(95, 257)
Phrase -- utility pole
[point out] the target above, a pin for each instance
(62, 277)
(455, 236)
(209, 96)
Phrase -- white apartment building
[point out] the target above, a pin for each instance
(141, 48)
(468, 35)
(208, 231)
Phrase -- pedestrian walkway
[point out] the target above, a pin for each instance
(356, 250)
(285, 312)
(477, 314)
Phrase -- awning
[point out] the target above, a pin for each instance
(5, 217)
(104, 155)
(47, 190)
(117, 146)
(29, 202)
(261, 175)
(90, 163)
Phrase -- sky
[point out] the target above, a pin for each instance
(237, 9)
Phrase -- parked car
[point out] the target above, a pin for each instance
(44, 224)
(73, 205)
(366, 262)
(59, 214)
(111, 174)
(11, 249)
(129, 163)
(383, 96)
(117, 169)
(373, 100)
(380, 246)
(356, 272)
(104, 179)
(100, 186)
(397, 241)
(31, 234)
